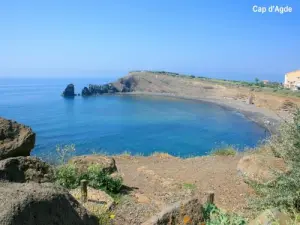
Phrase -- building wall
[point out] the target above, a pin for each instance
(291, 79)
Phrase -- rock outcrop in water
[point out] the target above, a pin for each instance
(69, 91)
(15, 139)
(85, 92)
(126, 84)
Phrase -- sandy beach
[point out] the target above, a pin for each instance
(268, 119)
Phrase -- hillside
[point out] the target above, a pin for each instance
(268, 107)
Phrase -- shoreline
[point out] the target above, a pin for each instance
(265, 118)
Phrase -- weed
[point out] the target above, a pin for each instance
(65, 152)
(228, 150)
(214, 216)
(69, 176)
(126, 153)
(189, 186)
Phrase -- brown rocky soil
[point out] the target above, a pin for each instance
(160, 180)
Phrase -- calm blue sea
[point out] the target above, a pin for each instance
(114, 124)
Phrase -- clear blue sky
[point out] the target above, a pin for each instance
(222, 38)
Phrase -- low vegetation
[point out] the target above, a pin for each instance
(228, 150)
(256, 85)
(189, 186)
(283, 192)
(69, 176)
(64, 152)
(214, 216)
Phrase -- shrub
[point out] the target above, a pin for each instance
(69, 176)
(283, 192)
(214, 216)
(189, 186)
(225, 151)
(65, 152)
(99, 179)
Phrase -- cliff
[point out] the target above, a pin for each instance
(126, 84)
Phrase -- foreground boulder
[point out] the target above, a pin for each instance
(40, 204)
(183, 212)
(108, 164)
(69, 91)
(260, 167)
(24, 169)
(15, 139)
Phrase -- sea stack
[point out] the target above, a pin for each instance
(69, 91)
(86, 92)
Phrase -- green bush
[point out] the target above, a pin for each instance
(69, 176)
(225, 151)
(214, 216)
(283, 192)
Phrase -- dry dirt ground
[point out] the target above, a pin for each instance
(160, 180)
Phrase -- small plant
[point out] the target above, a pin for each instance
(126, 153)
(65, 152)
(69, 176)
(189, 186)
(225, 151)
(214, 216)
(99, 179)
(105, 217)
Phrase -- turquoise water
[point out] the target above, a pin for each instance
(114, 124)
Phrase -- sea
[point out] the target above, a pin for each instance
(110, 124)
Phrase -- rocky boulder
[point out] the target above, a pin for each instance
(85, 92)
(24, 169)
(40, 204)
(260, 167)
(15, 139)
(69, 91)
(182, 212)
(108, 164)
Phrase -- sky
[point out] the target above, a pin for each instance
(214, 38)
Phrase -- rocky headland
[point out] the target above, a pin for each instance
(126, 84)
(265, 108)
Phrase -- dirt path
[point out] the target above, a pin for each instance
(161, 180)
